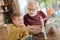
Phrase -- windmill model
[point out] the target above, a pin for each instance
(57, 20)
(43, 28)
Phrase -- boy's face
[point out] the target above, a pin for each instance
(17, 21)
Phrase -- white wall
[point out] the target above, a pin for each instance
(22, 5)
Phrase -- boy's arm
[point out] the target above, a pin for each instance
(26, 33)
(23, 38)
(35, 29)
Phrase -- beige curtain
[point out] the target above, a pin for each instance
(15, 6)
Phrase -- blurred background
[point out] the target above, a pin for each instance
(50, 7)
(45, 5)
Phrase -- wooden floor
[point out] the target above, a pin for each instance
(4, 35)
(50, 37)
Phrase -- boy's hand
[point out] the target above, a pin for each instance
(25, 29)
(23, 39)
(34, 29)
(29, 37)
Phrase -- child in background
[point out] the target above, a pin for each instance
(17, 30)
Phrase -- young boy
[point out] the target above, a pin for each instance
(17, 30)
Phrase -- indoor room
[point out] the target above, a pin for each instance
(29, 19)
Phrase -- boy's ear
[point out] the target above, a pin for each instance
(13, 20)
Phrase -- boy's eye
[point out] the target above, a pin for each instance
(18, 20)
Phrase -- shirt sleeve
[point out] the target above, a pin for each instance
(25, 21)
(26, 33)
(44, 16)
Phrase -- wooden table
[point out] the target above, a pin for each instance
(50, 37)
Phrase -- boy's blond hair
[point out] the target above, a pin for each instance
(15, 15)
